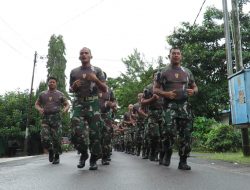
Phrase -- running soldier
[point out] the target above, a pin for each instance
(175, 84)
(49, 104)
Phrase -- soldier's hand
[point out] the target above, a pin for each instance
(190, 92)
(65, 110)
(91, 77)
(41, 111)
(76, 84)
(156, 97)
(171, 94)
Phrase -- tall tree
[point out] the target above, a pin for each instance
(56, 63)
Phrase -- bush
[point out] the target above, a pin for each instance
(202, 126)
(223, 138)
(7, 132)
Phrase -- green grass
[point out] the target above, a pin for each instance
(237, 157)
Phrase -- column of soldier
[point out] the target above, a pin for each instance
(161, 117)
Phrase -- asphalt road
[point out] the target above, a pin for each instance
(126, 172)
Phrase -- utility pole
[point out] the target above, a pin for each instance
(228, 40)
(236, 35)
(29, 108)
(239, 65)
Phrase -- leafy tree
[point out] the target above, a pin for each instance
(56, 66)
(139, 74)
(56, 63)
(42, 87)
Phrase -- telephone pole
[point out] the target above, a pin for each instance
(227, 38)
(29, 107)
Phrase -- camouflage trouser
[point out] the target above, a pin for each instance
(154, 126)
(133, 139)
(107, 131)
(139, 136)
(121, 146)
(129, 138)
(51, 132)
(145, 144)
(86, 127)
(178, 127)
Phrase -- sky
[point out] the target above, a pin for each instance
(112, 29)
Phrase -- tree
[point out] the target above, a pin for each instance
(138, 75)
(13, 113)
(203, 49)
(56, 63)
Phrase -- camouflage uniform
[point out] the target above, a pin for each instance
(155, 121)
(177, 112)
(139, 129)
(51, 132)
(128, 134)
(107, 129)
(119, 139)
(86, 120)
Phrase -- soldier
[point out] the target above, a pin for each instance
(129, 125)
(154, 106)
(140, 114)
(49, 104)
(107, 105)
(85, 82)
(175, 84)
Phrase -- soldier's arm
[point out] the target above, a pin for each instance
(38, 107)
(73, 84)
(66, 106)
(141, 112)
(149, 100)
(166, 94)
(100, 83)
(192, 90)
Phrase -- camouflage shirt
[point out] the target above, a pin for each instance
(51, 101)
(104, 97)
(148, 93)
(176, 78)
(87, 88)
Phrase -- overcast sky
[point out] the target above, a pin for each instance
(112, 29)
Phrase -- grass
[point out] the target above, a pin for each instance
(236, 157)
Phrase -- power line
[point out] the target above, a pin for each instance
(19, 35)
(199, 12)
(81, 13)
(12, 47)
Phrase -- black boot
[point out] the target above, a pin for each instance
(92, 162)
(161, 158)
(152, 155)
(56, 159)
(109, 157)
(183, 163)
(51, 155)
(167, 158)
(105, 160)
(156, 157)
(83, 158)
(138, 151)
